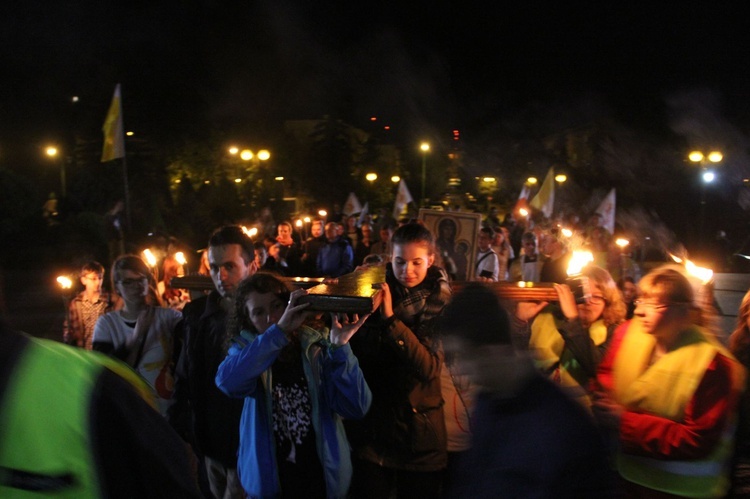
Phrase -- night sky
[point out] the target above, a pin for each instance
(418, 64)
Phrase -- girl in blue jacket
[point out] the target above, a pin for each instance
(298, 383)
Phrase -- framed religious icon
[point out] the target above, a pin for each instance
(456, 240)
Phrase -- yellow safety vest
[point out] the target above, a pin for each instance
(45, 425)
(548, 348)
(665, 388)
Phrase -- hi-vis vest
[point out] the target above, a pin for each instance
(45, 439)
(665, 388)
(550, 355)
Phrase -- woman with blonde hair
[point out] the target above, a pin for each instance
(569, 341)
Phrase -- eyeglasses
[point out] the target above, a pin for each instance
(649, 306)
(596, 300)
(129, 283)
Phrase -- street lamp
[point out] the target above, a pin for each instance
(52, 152)
(425, 147)
(707, 177)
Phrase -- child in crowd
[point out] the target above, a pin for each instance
(401, 444)
(298, 383)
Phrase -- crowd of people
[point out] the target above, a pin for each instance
(613, 389)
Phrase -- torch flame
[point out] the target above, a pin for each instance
(251, 232)
(150, 258)
(578, 261)
(702, 273)
(64, 282)
(180, 257)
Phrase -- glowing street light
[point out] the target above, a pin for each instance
(371, 177)
(395, 179)
(53, 152)
(560, 178)
(532, 180)
(425, 147)
(707, 175)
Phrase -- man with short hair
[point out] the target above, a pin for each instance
(289, 259)
(202, 413)
(86, 307)
(336, 257)
(487, 268)
(311, 248)
(383, 246)
(528, 266)
(555, 267)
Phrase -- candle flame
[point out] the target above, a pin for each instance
(64, 282)
(566, 232)
(578, 261)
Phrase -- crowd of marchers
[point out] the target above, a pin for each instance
(621, 386)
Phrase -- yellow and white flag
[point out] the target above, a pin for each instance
(114, 132)
(403, 198)
(545, 198)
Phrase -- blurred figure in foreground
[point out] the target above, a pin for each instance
(87, 307)
(528, 438)
(669, 393)
(739, 344)
(103, 439)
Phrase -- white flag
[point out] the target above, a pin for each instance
(607, 210)
(545, 198)
(364, 213)
(403, 198)
(352, 205)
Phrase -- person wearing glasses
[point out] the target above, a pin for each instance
(668, 394)
(569, 339)
(140, 333)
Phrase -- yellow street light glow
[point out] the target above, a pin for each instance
(64, 282)
(322, 213)
(298, 223)
(488, 179)
(561, 178)
(180, 257)
(424, 146)
(246, 155)
(278, 178)
(150, 257)
(532, 180)
(695, 156)
(622, 242)
(395, 179)
(306, 220)
(51, 151)
(372, 177)
(129, 134)
(715, 156)
(263, 154)
(237, 180)
(233, 150)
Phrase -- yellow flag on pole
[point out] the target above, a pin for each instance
(114, 132)
(545, 198)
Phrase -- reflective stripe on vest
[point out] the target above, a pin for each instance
(45, 421)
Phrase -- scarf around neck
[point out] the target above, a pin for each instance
(417, 307)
